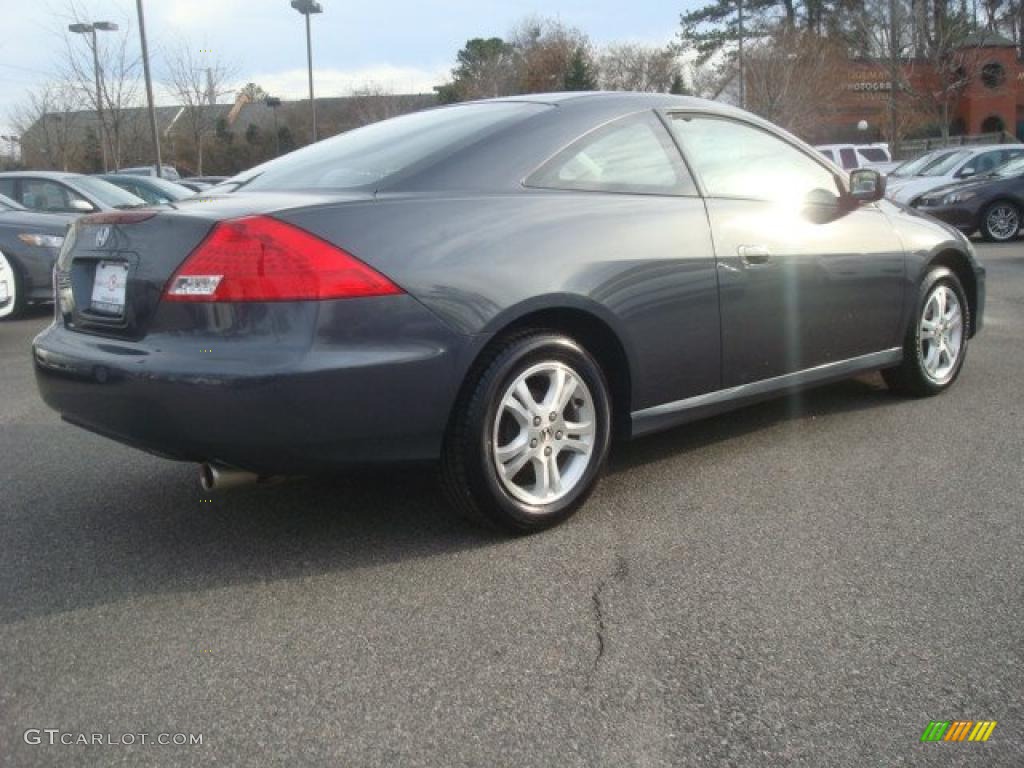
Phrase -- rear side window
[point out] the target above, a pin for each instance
(847, 158)
(633, 155)
(364, 157)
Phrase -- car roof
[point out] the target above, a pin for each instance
(42, 174)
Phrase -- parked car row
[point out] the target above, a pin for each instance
(36, 208)
(975, 189)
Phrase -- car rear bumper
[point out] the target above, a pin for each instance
(270, 388)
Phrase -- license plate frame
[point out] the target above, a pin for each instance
(109, 288)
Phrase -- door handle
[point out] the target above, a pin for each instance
(754, 255)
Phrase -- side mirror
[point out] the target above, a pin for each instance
(81, 206)
(866, 185)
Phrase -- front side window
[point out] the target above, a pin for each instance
(735, 159)
(633, 154)
(46, 195)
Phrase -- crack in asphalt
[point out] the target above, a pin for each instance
(617, 575)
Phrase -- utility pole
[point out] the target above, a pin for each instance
(307, 8)
(739, 13)
(90, 29)
(149, 90)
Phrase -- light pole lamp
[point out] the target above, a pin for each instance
(91, 29)
(307, 8)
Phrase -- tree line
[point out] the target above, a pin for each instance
(796, 61)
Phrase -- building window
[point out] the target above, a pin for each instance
(992, 124)
(993, 74)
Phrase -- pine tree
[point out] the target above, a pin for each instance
(580, 74)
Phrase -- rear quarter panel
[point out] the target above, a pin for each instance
(642, 264)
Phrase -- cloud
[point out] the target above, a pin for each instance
(293, 83)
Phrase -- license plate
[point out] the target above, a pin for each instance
(108, 287)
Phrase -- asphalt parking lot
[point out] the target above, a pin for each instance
(807, 582)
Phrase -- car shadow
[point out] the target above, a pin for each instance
(156, 533)
(864, 392)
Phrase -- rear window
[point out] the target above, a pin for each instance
(874, 154)
(107, 193)
(365, 156)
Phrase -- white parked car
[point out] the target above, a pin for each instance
(850, 156)
(951, 166)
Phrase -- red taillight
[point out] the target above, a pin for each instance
(263, 259)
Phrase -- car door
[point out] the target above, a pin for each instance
(805, 279)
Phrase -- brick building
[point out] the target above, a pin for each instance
(989, 96)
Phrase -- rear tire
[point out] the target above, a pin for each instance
(529, 437)
(1000, 222)
(11, 279)
(935, 346)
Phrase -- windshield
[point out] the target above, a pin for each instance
(365, 156)
(1013, 168)
(912, 167)
(106, 192)
(945, 165)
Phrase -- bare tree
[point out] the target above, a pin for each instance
(118, 76)
(633, 67)
(882, 33)
(47, 122)
(373, 103)
(545, 53)
(197, 80)
(794, 79)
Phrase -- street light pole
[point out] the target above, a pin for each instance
(90, 29)
(149, 90)
(307, 8)
(739, 13)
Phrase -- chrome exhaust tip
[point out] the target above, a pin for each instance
(218, 478)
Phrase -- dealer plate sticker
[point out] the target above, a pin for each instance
(108, 287)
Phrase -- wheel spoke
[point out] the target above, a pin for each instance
(568, 390)
(518, 411)
(511, 466)
(526, 397)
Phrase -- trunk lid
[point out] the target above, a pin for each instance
(113, 268)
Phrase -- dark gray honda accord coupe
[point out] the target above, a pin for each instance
(501, 286)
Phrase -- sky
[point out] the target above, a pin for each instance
(399, 45)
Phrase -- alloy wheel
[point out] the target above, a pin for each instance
(941, 333)
(1003, 221)
(544, 433)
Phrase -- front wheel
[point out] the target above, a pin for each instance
(1000, 222)
(530, 437)
(936, 342)
(12, 300)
